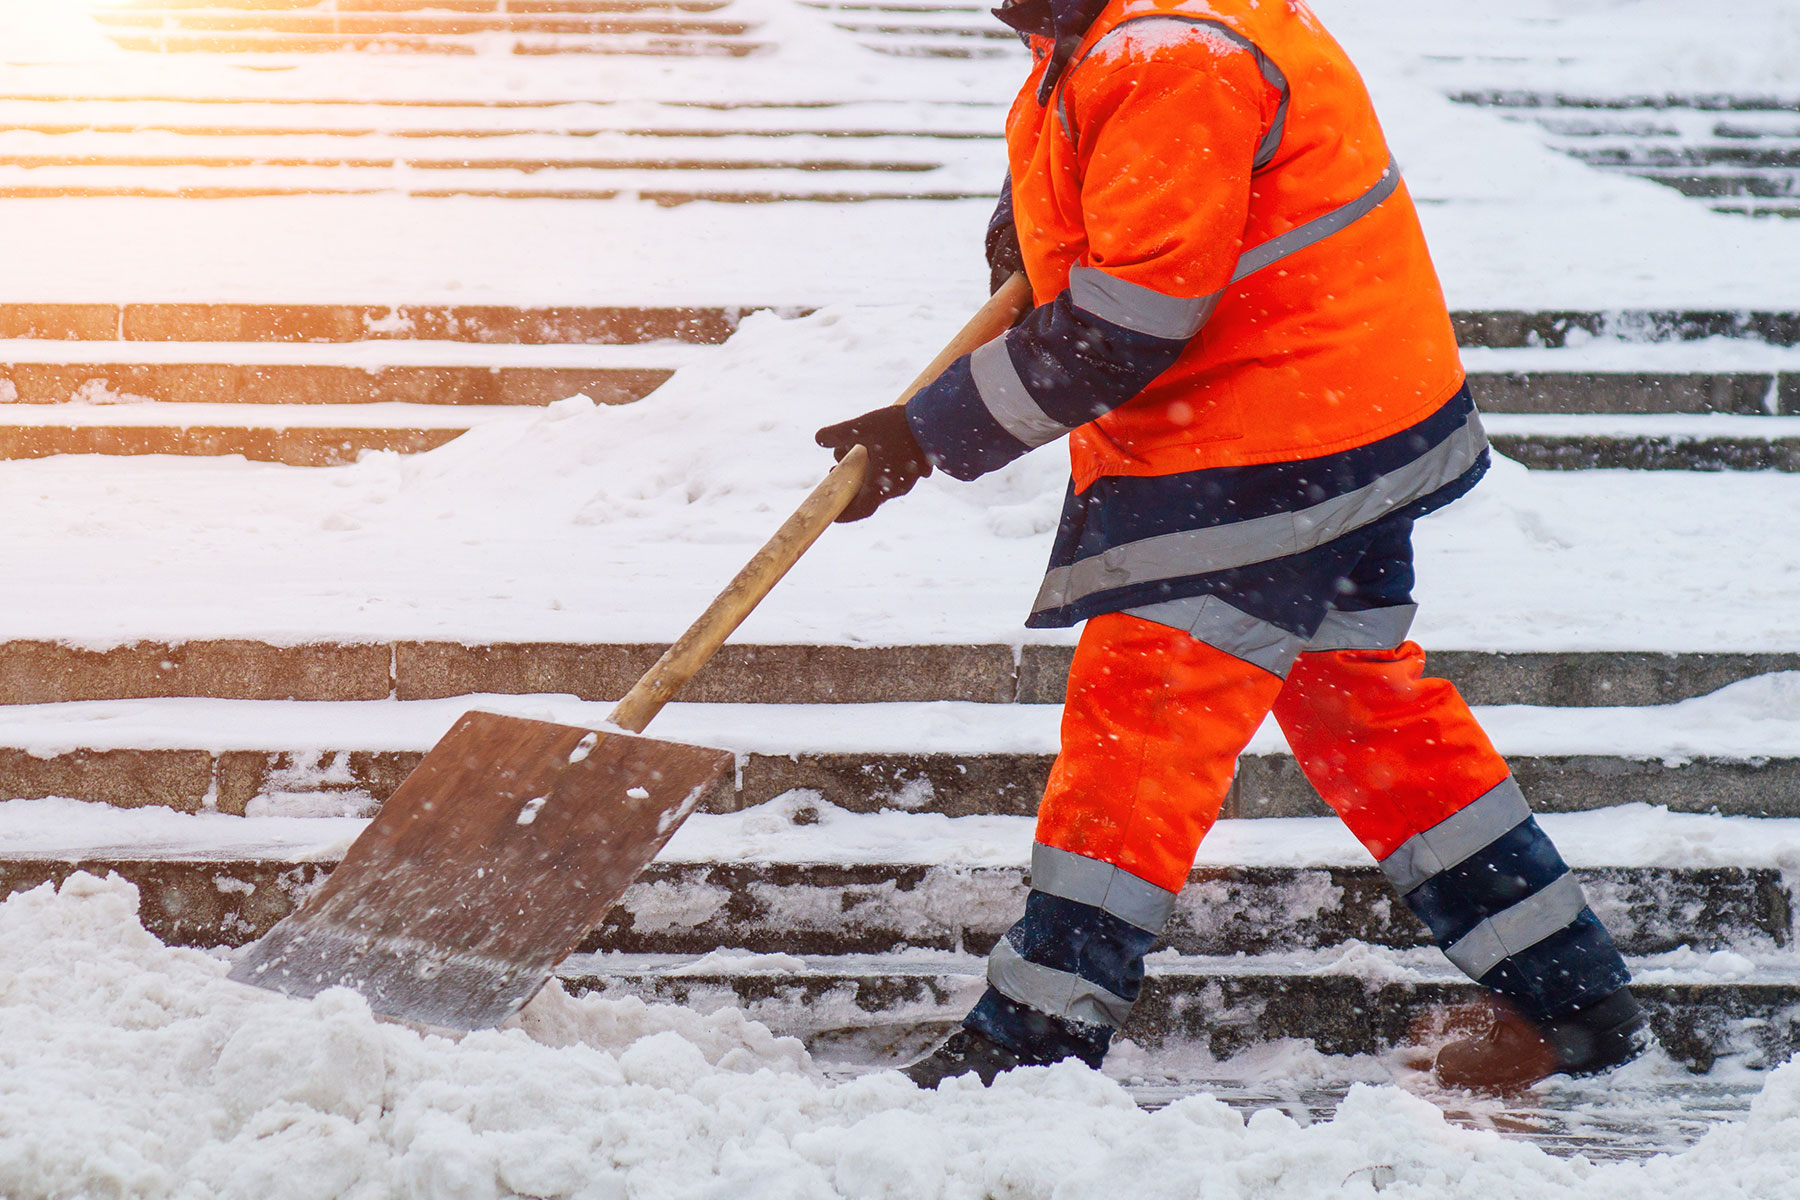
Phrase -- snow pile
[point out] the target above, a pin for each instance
(132, 1069)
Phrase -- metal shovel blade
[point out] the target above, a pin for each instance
(486, 868)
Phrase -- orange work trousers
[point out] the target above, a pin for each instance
(1155, 720)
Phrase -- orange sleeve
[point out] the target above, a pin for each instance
(1165, 149)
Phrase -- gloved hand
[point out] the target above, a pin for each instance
(895, 460)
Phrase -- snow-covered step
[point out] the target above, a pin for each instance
(46, 671)
(46, 371)
(579, 116)
(796, 877)
(875, 907)
(1352, 1000)
(37, 672)
(712, 323)
(1736, 751)
(1557, 329)
(306, 435)
(745, 183)
(1617, 375)
(653, 29)
(1741, 154)
(489, 324)
(1681, 442)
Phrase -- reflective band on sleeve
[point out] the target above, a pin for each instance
(1371, 629)
(1006, 398)
(1499, 811)
(1549, 910)
(1048, 990)
(1209, 619)
(1100, 884)
(1138, 308)
(1272, 75)
(1222, 547)
(1319, 228)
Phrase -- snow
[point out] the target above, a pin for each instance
(617, 524)
(129, 1068)
(799, 827)
(1512, 222)
(370, 355)
(133, 1069)
(1754, 718)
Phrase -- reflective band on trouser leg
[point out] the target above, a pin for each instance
(1500, 901)
(1064, 978)
(1393, 752)
(1151, 732)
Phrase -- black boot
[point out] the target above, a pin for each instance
(965, 1052)
(1514, 1052)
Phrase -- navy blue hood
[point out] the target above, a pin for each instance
(1064, 22)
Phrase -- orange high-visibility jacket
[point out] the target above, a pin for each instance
(1227, 152)
(1235, 307)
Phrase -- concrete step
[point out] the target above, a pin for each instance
(328, 433)
(887, 1008)
(1546, 390)
(576, 119)
(1747, 164)
(34, 371)
(43, 672)
(1648, 443)
(481, 324)
(878, 908)
(711, 324)
(165, 19)
(196, 779)
(304, 435)
(1734, 752)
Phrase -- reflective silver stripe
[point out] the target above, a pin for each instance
(1136, 307)
(1051, 991)
(1319, 228)
(1221, 547)
(1499, 811)
(1108, 888)
(1524, 925)
(1209, 619)
(1371, 629)
(1007, 399)
(1272, 74)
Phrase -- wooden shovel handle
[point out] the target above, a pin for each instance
(798, 532)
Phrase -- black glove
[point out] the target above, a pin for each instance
(895, 460)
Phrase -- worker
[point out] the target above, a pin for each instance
(1239, 332)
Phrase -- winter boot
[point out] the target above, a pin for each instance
(965, 1052)
(1514, 1052)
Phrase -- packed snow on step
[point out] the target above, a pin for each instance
(1753, 718)
(802, 827)
(133, 1069)
(617, 524)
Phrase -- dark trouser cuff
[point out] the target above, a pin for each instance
(1036, 1037)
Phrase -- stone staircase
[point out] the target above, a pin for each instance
(1739, 154)
(269, 750)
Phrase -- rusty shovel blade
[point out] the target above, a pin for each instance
(486, 868)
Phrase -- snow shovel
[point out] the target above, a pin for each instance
(513, 837)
